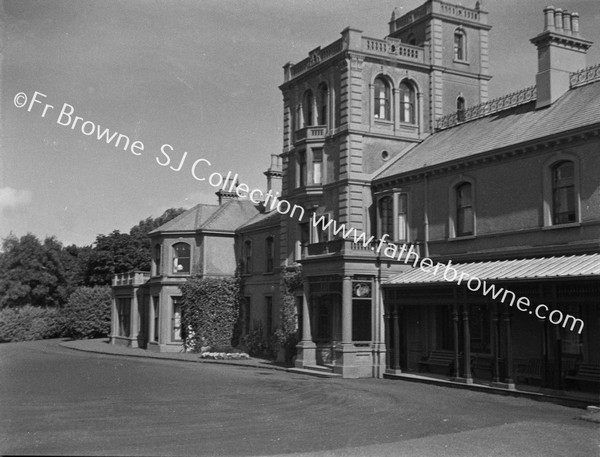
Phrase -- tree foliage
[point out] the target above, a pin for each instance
(31, 272)
(209, 311)
(87, 313)
(122, 252)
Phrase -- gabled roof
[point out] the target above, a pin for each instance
(202, 217)
(577, 108)
(573, 266)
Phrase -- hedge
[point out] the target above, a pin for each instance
(87, 313)
(29, 323)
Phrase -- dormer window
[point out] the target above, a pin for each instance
(383, 99)
(460, 39)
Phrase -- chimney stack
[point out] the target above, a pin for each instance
(561, 51)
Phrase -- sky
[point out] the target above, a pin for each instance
(201, 76)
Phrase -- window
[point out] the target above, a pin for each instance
(460, 109)
(459, 45)
(270, 253)
(563, 193)
(176, 320)
(248, 257)
(155, 304)
(464, 210)
(124, 314)
(392, 212)
(307, 108)
(407, 103)
(302, 169)
(156, 260)
(269, 305)
(386, 214)
(382, 99)
(412, 40)
(322, 110)
(303, 240)
(402, 218)
(317, 166)
(319, 235)
(181, 258)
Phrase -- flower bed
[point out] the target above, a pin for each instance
(225, 355)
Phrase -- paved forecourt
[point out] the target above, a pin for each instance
(59, 401)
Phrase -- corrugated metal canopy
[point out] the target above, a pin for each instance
(574, 266)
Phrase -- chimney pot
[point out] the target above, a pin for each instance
(549, 18)
(567, 22)
(558, 20)
(575, 23)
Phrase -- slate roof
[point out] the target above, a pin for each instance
(573, 266)
(226, 217)
(261, 220)
(577, 108)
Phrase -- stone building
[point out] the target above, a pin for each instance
(392, 143)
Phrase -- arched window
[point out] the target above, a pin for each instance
(307, 108)
(382, 102)
(181, 258)
(460, 109)
(270, 253)
(386, 217)
(156, 259)
(460, 51)
(407, 103)
(248, 257)
(412, 40)
(563, 193)
(323, 105)
(464, 210)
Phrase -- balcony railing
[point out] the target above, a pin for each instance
(349, 247)
(132, 278)
(314, 133)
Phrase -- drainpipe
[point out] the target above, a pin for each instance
(426, 216)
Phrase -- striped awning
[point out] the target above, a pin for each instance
(562, 267)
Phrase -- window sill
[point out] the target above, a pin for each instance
(383, 121)
(462, 238)
(462, 62)
(268, 273)
(561, 226)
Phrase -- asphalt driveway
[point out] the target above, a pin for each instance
(58, 401)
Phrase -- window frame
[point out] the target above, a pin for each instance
(408, 96)
(460, 45)
(399, 214)
(453, 208)
(156, 259)
(269, 254)
(175, 259)
(247, 246)
(308, 115)
(175, 303)
(322, 104)
(548, 190)
(561, 185)
(464, 210)
(379, 82)
(461, 107)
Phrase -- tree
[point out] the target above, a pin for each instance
(121, 252)
(31, 272)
